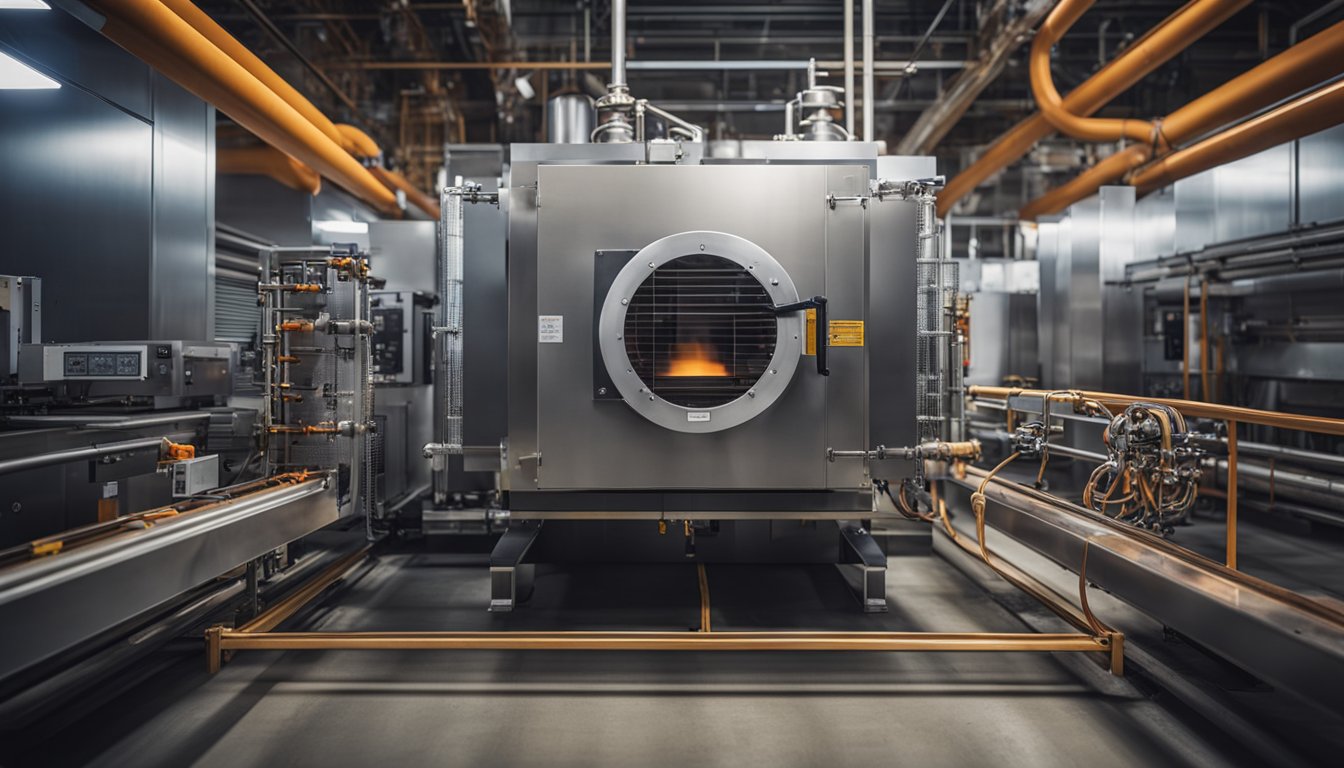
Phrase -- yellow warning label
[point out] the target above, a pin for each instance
(846, 333)
(810, 345)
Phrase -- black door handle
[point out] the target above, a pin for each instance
(820, 334)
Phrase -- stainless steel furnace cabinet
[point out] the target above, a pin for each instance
(697, 338)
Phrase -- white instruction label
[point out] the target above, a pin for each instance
(697, 415)
(550, 329)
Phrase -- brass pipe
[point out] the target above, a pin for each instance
(266, 160)
(1312, 61)
(664, 641)
(1162, 43)
(152, 32)
(290, 604)
(1303, 116)
(1065, 14)
(1319, 424)
(1231, 543)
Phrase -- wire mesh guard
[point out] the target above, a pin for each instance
(700, 331)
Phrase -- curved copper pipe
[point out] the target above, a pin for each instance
(1154, 49)
(161, 38)
(357, 142)
(1048, 99)
(268, 161)
(395, 181)
(1304, 116)
(1309, 62)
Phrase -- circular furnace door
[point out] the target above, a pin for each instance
(690, 336)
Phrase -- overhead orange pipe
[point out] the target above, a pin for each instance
(268, 161)
(357, 142)
(1048, 99)
(1311, 61)
(1303, 116)
(1162, 42)
(161, 38)
(395, 181)
(202, 23)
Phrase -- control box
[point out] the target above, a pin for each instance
(144, 368)
(192, 477)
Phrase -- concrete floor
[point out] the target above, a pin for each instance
(585, 709)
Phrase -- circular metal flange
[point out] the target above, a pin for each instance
(788, 332)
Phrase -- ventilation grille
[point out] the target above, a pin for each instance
(700, 331)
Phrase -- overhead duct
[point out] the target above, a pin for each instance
(1160, 45)
(161, 38)
(1306, 64)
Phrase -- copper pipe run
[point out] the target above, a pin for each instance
(161, 38)
(1301, 117)
(1306, 64)
(1048, 99)
(1160, 45)
(220, 641)
(1319, 424)
(268, 161)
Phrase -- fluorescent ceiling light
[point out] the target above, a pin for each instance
(341, 227)
(16, 74)
(23, 5)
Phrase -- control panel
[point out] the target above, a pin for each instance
(94, 362)
(136, 368)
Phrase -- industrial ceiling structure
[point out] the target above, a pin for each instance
(952, 75)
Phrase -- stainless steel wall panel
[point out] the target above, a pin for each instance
(1195, 211)
(81, 218)
(183, 262)
(1155, 225)
(1254, 195)
(1047, 253)
(1122, 306)
(1320, 179)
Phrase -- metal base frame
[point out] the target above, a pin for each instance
(510, 577)
(865, 569)
(221, 643)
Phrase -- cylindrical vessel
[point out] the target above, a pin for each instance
(569, 119)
